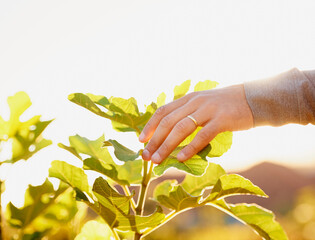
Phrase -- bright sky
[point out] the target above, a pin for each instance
(141, 48)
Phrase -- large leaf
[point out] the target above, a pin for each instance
(123, 113)
(195, 165)
(26, 136)
(110, 198)
(95, 230)
(37, 200)
(126, 174)
(173, 196)
(198, 163)
(260, 219)
(195, 185)
(233, 184)
(101, 161)
(73, 176)
(121, 152)
(93, 148)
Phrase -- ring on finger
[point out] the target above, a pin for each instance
(193, 119)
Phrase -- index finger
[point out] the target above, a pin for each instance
(159, 114)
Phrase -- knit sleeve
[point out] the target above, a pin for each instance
(286, 98)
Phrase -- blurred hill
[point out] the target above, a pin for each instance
(281, 183)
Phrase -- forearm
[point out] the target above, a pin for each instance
(285, 98)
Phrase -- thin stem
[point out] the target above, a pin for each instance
(144, 185)
(116, 236)
(137, 236)
(128, 193)
(142, 189)
(166, 219)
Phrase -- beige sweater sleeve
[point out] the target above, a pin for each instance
(285, 98)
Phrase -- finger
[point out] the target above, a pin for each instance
(160, 113)
(201, 140)
(165, 127)
(180, 131)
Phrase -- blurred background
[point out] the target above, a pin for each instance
(139, 48)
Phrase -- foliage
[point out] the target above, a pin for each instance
(44, 209)
(118, 210)
(25, 136)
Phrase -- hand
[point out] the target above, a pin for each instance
(216, 110)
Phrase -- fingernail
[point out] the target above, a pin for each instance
(141, 137)
(156, 158)
(146, 154)
(181, 156)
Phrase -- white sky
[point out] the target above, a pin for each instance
(141, 48)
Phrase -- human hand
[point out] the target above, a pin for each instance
(216, 110)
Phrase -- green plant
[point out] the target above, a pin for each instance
(23, 137)
(121, 212)
(44, 208)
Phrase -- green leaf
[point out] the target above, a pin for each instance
(71, 175)
(126, 174)
(101, 161)
(100, 100)
(62, 211)
(173, 196)
(198, 163)
(233, 184)
(121, 152)
(37, 200)
(95, 230)
(93, 148)
(26, 136)
(124, 106)
(194, 165)
(196, 185)
(131, 171)
(18, 104)
(70, 149)
(113, 203)
(205, 85)
(110, 198)
(181, 90)
(123, 113)
(86, 102)
(258, 218)
(220, 144)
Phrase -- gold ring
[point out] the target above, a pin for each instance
(193, 119)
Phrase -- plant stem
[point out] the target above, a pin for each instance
(116, 235)
(143, 190)
(127, 192)
(137, 236)
(166, 219)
